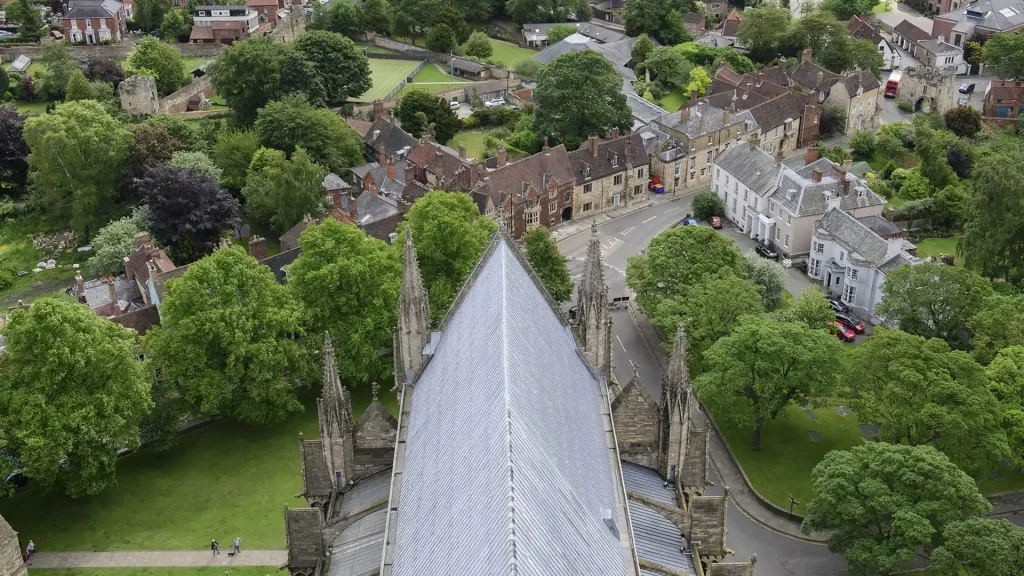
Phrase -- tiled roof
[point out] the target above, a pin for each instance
(373, 207)
(573, 43)
(366, 493)
(140, 320)
(384, 134)
(442, 163)
(622, 150)
(775, 112)
(362, 127)
(862, 30)
(201, 33)
(753, 167)
(600, 33)
(704, 119)
(1007, 90)
(316, 479)
(644, 112)
(467, 65)
(546, 168)
(813, 77)
(996, 15)
(880, 225)
(898, 261)
(714, 40)
(334, 182)
(305, 545)
(908, 30)
(799, 194)
(278, 262)
(861, 79)
(937, 47)
(94, 9)
(857, 238)
(498, 477)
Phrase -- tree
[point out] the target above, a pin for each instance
(997, 324)
(885, 502)
(913, 186)
(247, 75)
(450, 235)
(762, 366)
(699, 81)
(863, 143)
(523, 11)
(279, 191)
(150, 13)
(13, 149)
(548, 262)
(479, 46)
(560, 32)
(919, 392)
(441, 38)
(949, 204)
(833, 121)
(642, 48)
(411, 17)
(655, 18)
(811, 307)
(78, 88)
(72, 395)
(299, 77)
(152, 144)
(710, 311)
(961, 159)
(1005, 53)
(233, 153)
(1006, 381)
(292, 122)
(349, 284)
(31, 27)
(579, 95)
(76, 156)
(762, 29)
(669, 66)
(59, 67)
(993, 241)
(932, 146)
(115, 241)
(342, 66)
(227, 340)
(175, 24)
(846, 9)
(980, 547)
(707, 204)
(162, 60)
(451, 16)
(932, 301)
(770, 278)
(420, 111)
(198, 162)
(890, 147)
(188, 210)
(864, 55)
(374, 17)
(964, 121)
(820, 31)
(340, 17)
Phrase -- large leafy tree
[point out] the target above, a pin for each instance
(756, 371)
(655, 18)
(979, 547)
(115, 241)
(932, 300)
(560, 32)
(886, 502)
(770, 278)
(710, 311)
(420, 111)
(524, 11)
(920, 392)
(441, 38)
(59, 66)
(198, 162)
(292, 122)
(152, 144)
(580, 95)
(349, 283)
(77, 154)
(31, 27)
(998, 323)
(964, 121)
(932, 146)
(412, 17)
(548, 262)
(340, 17)
(13, 150)
(72, 395)
(811, 307)
(642, 48)
(450, 235)
(300, 77)
(1006, 380)
(669, 66)
(342, 66)
(188, 210)
(450, 15)
(478, 46)
(233, 153)
(228, 340)
(164, 61)
(993, 240)
(1005, 53)
(175, 24)
(846, 9)
(763, 30)
(247, 75)
(374, 16)
(279, 191)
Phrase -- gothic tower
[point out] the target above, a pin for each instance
(413, 318)
(335, 410)
(595, 324)
(675, 410)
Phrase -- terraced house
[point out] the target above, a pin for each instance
(610, 173)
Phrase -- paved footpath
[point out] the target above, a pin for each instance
(130, 559)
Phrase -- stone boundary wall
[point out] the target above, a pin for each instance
(110, 51)
(177, 102)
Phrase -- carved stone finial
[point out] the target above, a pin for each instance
(375, 389)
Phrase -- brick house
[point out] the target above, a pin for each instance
(608, 173)
(1004, 99)
(95, 21)
(143, 264)
(223, 24)
(266, 9)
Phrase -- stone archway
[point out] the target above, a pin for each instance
(924, 104)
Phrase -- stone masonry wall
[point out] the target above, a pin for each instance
(636, 427)
(11, 563)
(111, 50)
(177, 102)
(374, 440)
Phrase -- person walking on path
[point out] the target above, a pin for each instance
(214, 547)
(238, 545)
(29, 551)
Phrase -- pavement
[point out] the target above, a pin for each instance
(131, 559)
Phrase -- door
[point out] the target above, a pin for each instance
(616, 199)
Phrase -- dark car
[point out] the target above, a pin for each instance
(715, 222)
(766, 251)
(851, 321)
(837, 305)
(842, 331)
(967, 88)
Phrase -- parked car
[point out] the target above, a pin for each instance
(654, 185)
(967, 88)
(837, 305)
(495, 102)
(688, 220)
(6, 34)
(454, 105)
(57, 34)
(715, 222)
(842, 331)
(766, 251)
(851, 321)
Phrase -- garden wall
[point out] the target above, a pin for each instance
(177, 102)
(110, 51)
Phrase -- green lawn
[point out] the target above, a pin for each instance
(1009, 480)
(474, 141)
(31, 107)
(220, 481)
(882, 6)
(431, 73)
(192, 63)
(674, 100)
(190, 571)
(509, 54)
(936, 246)
(783, 465)
(17, 252)
(386, 74)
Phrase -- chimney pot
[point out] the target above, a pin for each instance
(545, 147)
(258, 247)
(806, 56)
(594, 143)
(501, 156)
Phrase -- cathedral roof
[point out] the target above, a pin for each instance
(506, 464)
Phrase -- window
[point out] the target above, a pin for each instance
(789, 219)
(531, 218)
(776, 132)
(771, 206)
(718, 173)
(842, 256)
(764, 139)
(709, 157)
(734, 205)
(702, 172)
(568, 195)
(727, 180)
(818, 247)
(679, 166)
(588, 188)
(778, 234)
(552, 207)
(756, 201)
(787, 241)
(693, 162)
(814, 268)
(852, 272)
(746, 195)
(710, 140)
(693, 146)
(640, 173)
(588, 206)
(615, 160)
(618, 179)
(849, 294)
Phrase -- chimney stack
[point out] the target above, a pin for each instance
(391, 170)
(112, 291)
(821, 76)
(545, 146)
(81, 288)
(806, 56)
(353, 212)
(684, 114)
(811, 155)
(693, 95)
(593, 141)
(141, 239)
(378, 108)
(382, 157)
(782, 65)
(258, 247)
(615, 133)
(816, 175)
(501, 156)
(410, 171)
(462, 150)
(760, 77)
(844, 174)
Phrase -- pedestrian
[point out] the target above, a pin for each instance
(30, 550)
(214, 547)
(238, 545)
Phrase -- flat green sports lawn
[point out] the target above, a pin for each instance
(509, 54)
(385, 75)
(183, 571)
(222, 480)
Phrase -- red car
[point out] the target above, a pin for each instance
(851, 321)
(715, 222)
(842, 331)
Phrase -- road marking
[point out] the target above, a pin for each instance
(621, 346)
(671, 210)
(648, 220)
(627, 230)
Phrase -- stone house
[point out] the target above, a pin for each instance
(1004, 99)
(941, 54)
(855, 94)
(609, 173)
(694, 23)
(851, 256)
(334, 190)
(384, 136)
(95, 21)
(144, 264)
(861, 29)
(11, 561)
(223, 24)
(978, 21)
(469, 69)
(698, 133)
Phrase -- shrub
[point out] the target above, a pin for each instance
(905, 107)
(470, 123)
(7, 277)
(707, 204)
(863, 143)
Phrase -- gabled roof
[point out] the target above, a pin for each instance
(1005, 91)
(94, 9)
(316, 479)
(438, 160)
(302, 532)
(998, 15)
(626, 149)
(859, 240)
(908, 30)
(801, 195)
(600, 33)
(861, 80)
(467, 65)
(546, 168)
(704, 119)
(753, 167)
(500, 477)
(937, 46)
(775, 112)
(813, 77)
(862, 30)
(384, 134)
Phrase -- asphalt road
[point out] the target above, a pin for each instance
(777, 554)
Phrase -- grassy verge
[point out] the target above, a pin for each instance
(431, 73)
(936, 246)
(163, 571)
(35, 107)
(509, 54)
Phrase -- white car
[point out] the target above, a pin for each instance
(454, 105)
(494, 103)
